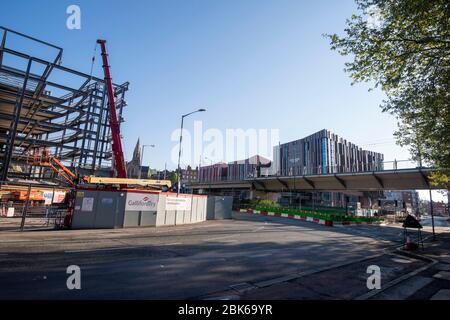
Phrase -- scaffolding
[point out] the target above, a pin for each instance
(44, 104)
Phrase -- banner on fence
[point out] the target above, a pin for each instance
(178, 203)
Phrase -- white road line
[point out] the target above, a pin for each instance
(258, 229)
(220, 238)
(171, 244)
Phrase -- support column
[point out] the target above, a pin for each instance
(13, 128)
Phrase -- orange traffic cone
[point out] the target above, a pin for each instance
(409, 245)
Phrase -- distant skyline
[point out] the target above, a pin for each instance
(258, 64)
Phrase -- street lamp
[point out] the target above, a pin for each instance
(142, 156)
(181, 140)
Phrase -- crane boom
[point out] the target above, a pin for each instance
(119, 161)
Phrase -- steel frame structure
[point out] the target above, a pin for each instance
(39, 109)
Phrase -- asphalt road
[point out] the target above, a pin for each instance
(178, 262)
(438, 221)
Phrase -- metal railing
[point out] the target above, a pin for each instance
(319, 170)
(23, 207)
(354, 168)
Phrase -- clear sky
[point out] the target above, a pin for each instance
(260, 64)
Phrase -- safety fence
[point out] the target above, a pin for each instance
(319, 214)
(31, 206)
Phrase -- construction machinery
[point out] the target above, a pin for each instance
(39, 156)
(119, 161)
(77, 123)
(152, 183)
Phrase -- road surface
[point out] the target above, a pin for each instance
(184, 262)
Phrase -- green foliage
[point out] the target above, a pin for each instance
(173, 177)
(259, 202)
(151, 172)
(324, 214)
(403, 47)
(267, 203)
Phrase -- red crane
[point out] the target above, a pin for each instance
(113, 123)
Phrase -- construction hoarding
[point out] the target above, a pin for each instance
(119, 209)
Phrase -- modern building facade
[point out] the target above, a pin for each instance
(248, 168)
(213, 173)
(322, 153)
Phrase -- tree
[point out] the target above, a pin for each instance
(173, 177)
(403, 47)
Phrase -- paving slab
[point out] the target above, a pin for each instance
(443, 294)
(343, 282)
(442, 275)
(405, 289)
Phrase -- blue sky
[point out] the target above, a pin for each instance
(252, 63)
(260, 64)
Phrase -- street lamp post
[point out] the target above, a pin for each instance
(142, 156)
(179, 152)
(432, 215)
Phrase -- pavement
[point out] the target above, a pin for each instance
(248, 257)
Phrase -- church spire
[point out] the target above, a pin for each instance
(137, 152)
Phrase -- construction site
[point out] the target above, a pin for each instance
(267, 174)
(59, 133)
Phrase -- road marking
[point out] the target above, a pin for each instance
(261, 255)
(171, 244)
(442, 275)
(398, 260)
(220, 238)
(258, 229)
